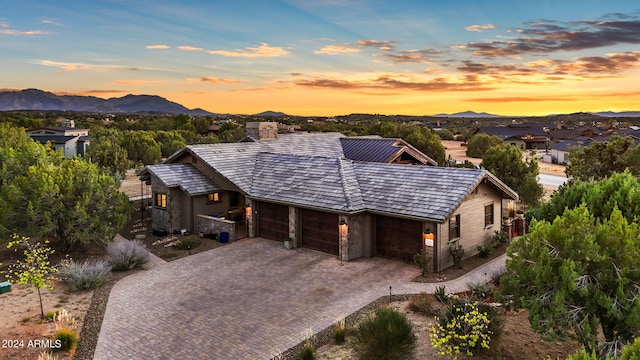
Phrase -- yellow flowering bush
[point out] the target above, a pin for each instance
(463, 330)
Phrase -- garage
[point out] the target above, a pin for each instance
(319, 231)
(273, 221)
(398, 238)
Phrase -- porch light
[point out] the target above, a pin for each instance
(344, 229)
(427, 237)
(247, 211)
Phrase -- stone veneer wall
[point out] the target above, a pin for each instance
(212, 225)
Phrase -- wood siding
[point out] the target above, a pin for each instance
(472, 229)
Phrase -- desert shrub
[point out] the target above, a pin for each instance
(484, 251)
(50, 315)
(500, 238)
(85, 275)
(441, 294)
(126, 255)
(68, 339)
(339, 335)
(457, 252)
(187, 243)
(307, 352)
(424, 304)
(423, 260)
(386, 335)
(45, 355)
(466, 328)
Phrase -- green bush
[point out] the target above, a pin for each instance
(457, 252)
(126, 255)
(631, 351)
(187, 243)
(500, 238)
(386, 335)
(466, 328)
(68, 339)
(484, 251)
(85, 275)
(481, 291)
(339, 335)
(441, 294)
(423, 260)
(582, 355)
(307, 352)
(50, 315)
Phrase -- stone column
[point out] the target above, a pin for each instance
(293, 225)
(249, 211)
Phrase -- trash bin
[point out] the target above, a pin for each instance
(224, 237)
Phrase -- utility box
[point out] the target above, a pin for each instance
(5, 287)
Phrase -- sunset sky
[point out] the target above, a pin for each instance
(331, 57)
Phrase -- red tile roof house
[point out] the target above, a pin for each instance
(324, 194)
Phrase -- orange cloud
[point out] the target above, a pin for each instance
(130, 82)
(213, 80)
(160, 47)
(336, 49)
(480, 28)
(264, 50)
(189, 48)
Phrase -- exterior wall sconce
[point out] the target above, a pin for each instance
(248, 211)
(427, 238)
(343, 229)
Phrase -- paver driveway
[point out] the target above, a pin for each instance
(241, 301)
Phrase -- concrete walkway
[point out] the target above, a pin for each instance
(247, 300)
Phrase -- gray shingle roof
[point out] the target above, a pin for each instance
(185, 176)
(306, 180)
(418, 191)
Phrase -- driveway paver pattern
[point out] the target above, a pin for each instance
(247, 300)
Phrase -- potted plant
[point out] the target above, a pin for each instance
(288, 243)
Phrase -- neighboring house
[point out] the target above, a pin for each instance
(70, 140)
(560, 151)
(305, 187)
(524, 136)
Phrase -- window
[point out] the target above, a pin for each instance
(488, 215)
(213, 197)
(454, 227)
(161, 200)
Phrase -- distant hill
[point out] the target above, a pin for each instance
(270, 113)
(469, 114)
(34, 99)
(618, 114)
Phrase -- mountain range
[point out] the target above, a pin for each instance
(34, 99)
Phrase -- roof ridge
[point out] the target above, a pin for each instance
(343, 181)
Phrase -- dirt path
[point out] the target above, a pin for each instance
(21, 324)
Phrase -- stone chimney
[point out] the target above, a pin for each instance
(262, 130)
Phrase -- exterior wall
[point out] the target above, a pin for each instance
(472, 230)
(160, 216)
(561, 157)
(211, 225)
(360, 236)
(262, 130)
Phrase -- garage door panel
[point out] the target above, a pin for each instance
(273, 221)
(319, 231)
(398, 238)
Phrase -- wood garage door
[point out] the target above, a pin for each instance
(273, 221)
(320, 231)
(398, 238)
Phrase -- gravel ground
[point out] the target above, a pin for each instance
(93, 318)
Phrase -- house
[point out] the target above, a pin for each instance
(70, 140)
(524, 136)
(307, 188)
(560, 151)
